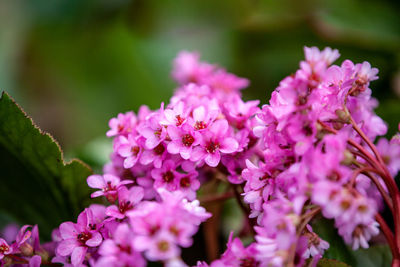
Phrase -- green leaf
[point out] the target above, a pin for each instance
(376, 255)
(337, 248)
(37, 186)
(331, 263)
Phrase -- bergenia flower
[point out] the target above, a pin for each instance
(109, 185)
(78, 237)
(127, 200)
(119, 251)
(214, 142)
(123, 124)
(5, 249)
(183, 140)
(130, 149)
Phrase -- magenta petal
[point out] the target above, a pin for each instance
(125, 151)
(147, 157)
(96, 181)
(199, 113)
(35, 261)
(136, 194)
(174, 132)
(113, 211)
(130, 162)
(173, 147)
(213, 159)
(95, 240)
(219, 127)
(229, 145)
(198, 153)
(68, 230)
(78, 255)
(108, 248)
(152, 142)
(97, 194)
(111, 178)
(185, 152)
(66, 247)
(169, 115)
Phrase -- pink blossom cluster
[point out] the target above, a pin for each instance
(309, 133)
(309, 151)
(152, 230)
(22, 247)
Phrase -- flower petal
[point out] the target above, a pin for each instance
(78, 255)
(95, 240)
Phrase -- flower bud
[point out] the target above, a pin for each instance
(344, 116)
(26, 249)
(348, 158)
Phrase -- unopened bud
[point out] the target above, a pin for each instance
(348, 158)
(343, 115)
(26, 249)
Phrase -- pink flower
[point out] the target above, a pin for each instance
(390, 152)
(127, 200)
(316, 246)
(188, 184)
(237, 255)
(109, 185)
(183, 140)
(5, 249)
(119, 250)
(123, 124)
(155, 155)
(226, 82)
(176, 116)
(203, 116)
(358, 235)
(166, 176)
(153, 132)
(187, 68)
(161, 246)
(130, 149)
(214, 142)
(78, 237)
(327, 56)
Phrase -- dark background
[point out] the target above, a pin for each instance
(74, 64)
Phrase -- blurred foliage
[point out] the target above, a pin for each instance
(75, 64)
(376, 255)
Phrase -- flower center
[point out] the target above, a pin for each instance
(163, 246)
(135, 150)
(83, 237)
(159, 150)
(212, 147)
(248, 262)
(179, 120)
(187, 140)
(126, 249)
(4, 248)
(125, 206)
(200, 125)
(109, 187)
(185, 182)
(168, 177)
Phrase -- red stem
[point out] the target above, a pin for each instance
(383, 192)
(379, 167)
(388, 234)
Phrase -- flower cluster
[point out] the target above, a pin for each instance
(314, 133)
(310, 151)
(22, 246)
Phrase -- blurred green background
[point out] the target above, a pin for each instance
(74, 64)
